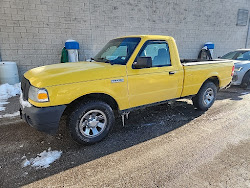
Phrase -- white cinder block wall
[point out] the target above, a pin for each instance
(33, 32)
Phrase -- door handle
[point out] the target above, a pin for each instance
(171, 72)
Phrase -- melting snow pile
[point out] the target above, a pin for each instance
(43, 160)
(10, 115)
(7, 91)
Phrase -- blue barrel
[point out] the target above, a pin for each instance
(72, 45)
(209, 45)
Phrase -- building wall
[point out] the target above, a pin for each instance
(33, 32)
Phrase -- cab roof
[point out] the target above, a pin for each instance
(149, 37)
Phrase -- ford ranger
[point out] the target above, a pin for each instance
(127, 74)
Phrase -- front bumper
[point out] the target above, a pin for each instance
(44, 119)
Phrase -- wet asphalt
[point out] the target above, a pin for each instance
(170, 145)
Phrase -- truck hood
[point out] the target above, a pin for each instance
(66, 73)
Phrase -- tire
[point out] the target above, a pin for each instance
(90, 122)
(205, 97)
(246, 80)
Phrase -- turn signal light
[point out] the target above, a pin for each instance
(42, 96)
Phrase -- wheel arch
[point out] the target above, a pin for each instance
(213, 79)
(93, 96)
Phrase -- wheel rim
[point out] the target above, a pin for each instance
(208, 96)
(93, 123)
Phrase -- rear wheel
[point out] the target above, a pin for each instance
(90, 122)
(205, 97)
(246, 80)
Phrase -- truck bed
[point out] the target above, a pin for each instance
(197, 70)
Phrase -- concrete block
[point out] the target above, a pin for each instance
(12, 23)
(30, 17)
(31, 30)
(16, 46)
(3, 23)
(17, 4)
(17, 17)
(28, 46)
(10, 10)
(6, 29)
(37, 24)
(54, 19)
(43, 30)
(20, 29)
(5, 4)
(25, 23)
(4, 16)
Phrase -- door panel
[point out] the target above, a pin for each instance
(155, 84)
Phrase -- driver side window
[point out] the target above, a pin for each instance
(158, 51)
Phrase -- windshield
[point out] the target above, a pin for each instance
(117, 51)
(237, 55)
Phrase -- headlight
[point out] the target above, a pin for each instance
(238, 68)
(38, 95)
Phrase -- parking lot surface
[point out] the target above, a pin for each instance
(161, 146)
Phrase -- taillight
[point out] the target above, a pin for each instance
(232, 71)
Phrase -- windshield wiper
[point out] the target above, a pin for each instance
(105, 60)
(108, 61)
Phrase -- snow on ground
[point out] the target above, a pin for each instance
(10, 115)
(43, 160)
(7, 91)
(24, 103)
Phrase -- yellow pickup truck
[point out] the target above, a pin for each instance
(128, 73)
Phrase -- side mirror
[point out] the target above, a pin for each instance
(142, 62)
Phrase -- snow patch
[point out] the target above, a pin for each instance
(43, 160)
(7, 91)
(24, 103)
(25, 163)
(2, 108)
(10, 115)
(2, 103)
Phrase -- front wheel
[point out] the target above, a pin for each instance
(205, 97)
(90, 122)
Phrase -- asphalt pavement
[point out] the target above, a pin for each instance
(162, 146)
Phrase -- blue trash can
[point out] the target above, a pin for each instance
(210, 46)
(72, 47)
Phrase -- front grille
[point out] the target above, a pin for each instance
(25, 86)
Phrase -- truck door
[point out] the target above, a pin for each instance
(157, 83)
